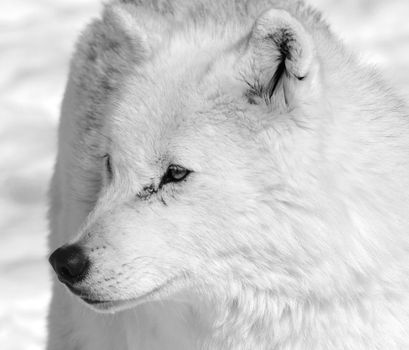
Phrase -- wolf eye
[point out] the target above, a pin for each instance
(108, 165)
(174, 173)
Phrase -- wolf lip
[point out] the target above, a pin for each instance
(85, 297)
(75, 291)
(93, 301)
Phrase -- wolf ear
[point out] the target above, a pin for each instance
(283, 59)
(139, 28)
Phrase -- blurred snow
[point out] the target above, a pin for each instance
(36, 39)
(376, 29)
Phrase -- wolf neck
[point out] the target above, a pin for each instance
(259, 321)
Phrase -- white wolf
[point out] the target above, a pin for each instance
(228, 177)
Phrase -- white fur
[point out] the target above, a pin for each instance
(292, 230)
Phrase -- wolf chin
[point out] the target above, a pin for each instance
(229, 176)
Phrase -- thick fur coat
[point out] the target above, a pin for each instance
(286, 223)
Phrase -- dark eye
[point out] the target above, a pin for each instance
(175, 173)
(108, 165)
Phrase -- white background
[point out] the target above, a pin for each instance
(36, 39)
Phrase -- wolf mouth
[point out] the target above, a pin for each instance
(121, 304)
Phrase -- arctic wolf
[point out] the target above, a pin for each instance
(229, 176)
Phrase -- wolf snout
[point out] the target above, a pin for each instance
(70, 263)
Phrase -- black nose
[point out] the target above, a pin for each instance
(70, 263)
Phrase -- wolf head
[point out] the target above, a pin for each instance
(204, 150)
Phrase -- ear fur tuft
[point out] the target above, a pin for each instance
(284, 54)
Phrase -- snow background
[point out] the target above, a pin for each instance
(36, 40)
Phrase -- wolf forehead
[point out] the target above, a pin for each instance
(178, 127)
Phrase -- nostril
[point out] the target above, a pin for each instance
(70, 263)
(65, 272)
